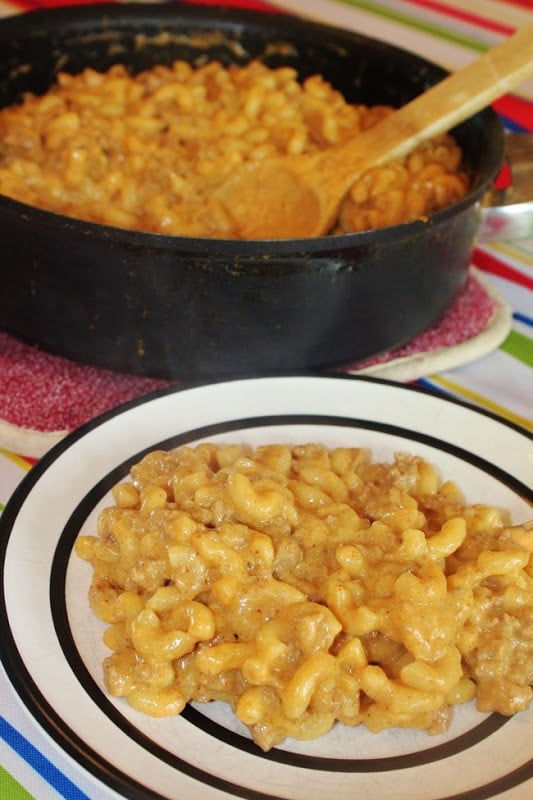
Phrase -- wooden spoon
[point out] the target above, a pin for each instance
(299, 196)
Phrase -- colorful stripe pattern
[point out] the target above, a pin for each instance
(10, 788)
(42, 765)
(446, 15)
(451, 30)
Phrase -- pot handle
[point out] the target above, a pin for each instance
(507, 213)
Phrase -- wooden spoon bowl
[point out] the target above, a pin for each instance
(300, 196)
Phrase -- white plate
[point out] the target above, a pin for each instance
(51, 646)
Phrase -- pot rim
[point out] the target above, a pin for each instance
(79, 18)
(243, 247)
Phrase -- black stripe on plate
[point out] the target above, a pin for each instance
(122, 783)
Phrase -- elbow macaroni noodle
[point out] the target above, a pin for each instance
(145, 151)
(305, 586)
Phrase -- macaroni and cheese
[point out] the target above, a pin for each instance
(146, 151)
(305, 586)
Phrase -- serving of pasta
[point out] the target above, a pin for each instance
(146, 151)
(307, 587)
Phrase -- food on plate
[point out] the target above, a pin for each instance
(307, 586)
(146, 151)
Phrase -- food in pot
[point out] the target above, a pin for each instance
(307, 586)
(145, 151)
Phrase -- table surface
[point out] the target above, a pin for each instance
(451, 32)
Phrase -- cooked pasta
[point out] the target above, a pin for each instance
(146, 151)
(307, 587)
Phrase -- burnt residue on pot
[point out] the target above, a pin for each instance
(106, 35)
(179, 307)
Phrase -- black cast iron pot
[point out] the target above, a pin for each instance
(180, 307)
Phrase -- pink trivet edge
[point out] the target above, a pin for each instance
(46, 393)
(468, 315)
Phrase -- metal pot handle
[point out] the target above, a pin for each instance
(507, 213)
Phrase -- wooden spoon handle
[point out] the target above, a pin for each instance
(451, 101)
(299, 196)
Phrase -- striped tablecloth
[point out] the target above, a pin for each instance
(450, 32)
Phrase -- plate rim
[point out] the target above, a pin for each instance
(25, 687)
